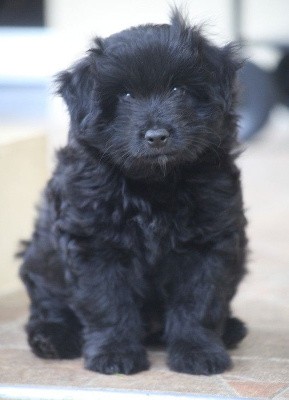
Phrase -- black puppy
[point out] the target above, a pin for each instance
(140, 233)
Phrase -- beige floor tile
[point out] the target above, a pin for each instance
(13, 337)
(256, 389)
(13, 306)
(259, 369)
(264, 345)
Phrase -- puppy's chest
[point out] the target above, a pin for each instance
(150, 235)
(155, 231)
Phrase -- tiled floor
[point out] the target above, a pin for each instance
(261, 364)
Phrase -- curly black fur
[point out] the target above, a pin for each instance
(140, 234)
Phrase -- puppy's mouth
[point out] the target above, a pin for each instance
(153, 166)
(162, 160)
(159, 157)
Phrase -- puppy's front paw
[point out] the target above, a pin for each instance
(54, 340)
(123, 361)
(191, 359)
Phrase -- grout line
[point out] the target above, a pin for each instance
(280, 392)
(256, 358)
(242, 378)
(226, 385)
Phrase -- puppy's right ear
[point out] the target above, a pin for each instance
(77, 87)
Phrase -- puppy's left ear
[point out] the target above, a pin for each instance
(77, 87)
(228, 64)
(217, 65)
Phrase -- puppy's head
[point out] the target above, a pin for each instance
(152, 98)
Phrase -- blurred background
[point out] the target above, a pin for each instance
(38, 38)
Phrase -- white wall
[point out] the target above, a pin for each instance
(85, 18)
(77, 22)
(267, 20)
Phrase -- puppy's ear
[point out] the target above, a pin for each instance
(220, 66)
(217, 66)
(227, 64)
(77, 87)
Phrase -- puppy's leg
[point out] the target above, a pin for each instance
(196, 313)
(53, 330)
(104, 299)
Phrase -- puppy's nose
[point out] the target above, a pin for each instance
(157, 137)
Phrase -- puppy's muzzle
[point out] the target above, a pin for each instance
(157, 138)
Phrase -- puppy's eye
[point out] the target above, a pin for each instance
(179, 90)
(127, 95)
